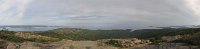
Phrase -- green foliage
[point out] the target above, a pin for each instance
(190, 35)
(187, 41)
(9, 35)
(87, 34)
(157, 40)
(114, 43)
(37, 40)
(192, 39)
(152, 33)
(195, 38)
(83, 34)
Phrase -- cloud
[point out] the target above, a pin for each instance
(11, 11)
(194, 6)
(101, 13)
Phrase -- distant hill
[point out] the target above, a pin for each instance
(25, 26)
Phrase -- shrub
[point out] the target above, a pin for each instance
(114, 43)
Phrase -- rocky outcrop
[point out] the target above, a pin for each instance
(54, 45)
(134, 42)
(171, 38)
(3, 44)
(34, 36)
(167, 46)
(69, 44)
(12, 46)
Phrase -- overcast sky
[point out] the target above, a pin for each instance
(100, 13)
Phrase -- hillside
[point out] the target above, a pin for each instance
(156, 36)
(150, 33)
(187, 35)
(85, 34)
(19, 37)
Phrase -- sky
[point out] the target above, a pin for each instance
(114, 14)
